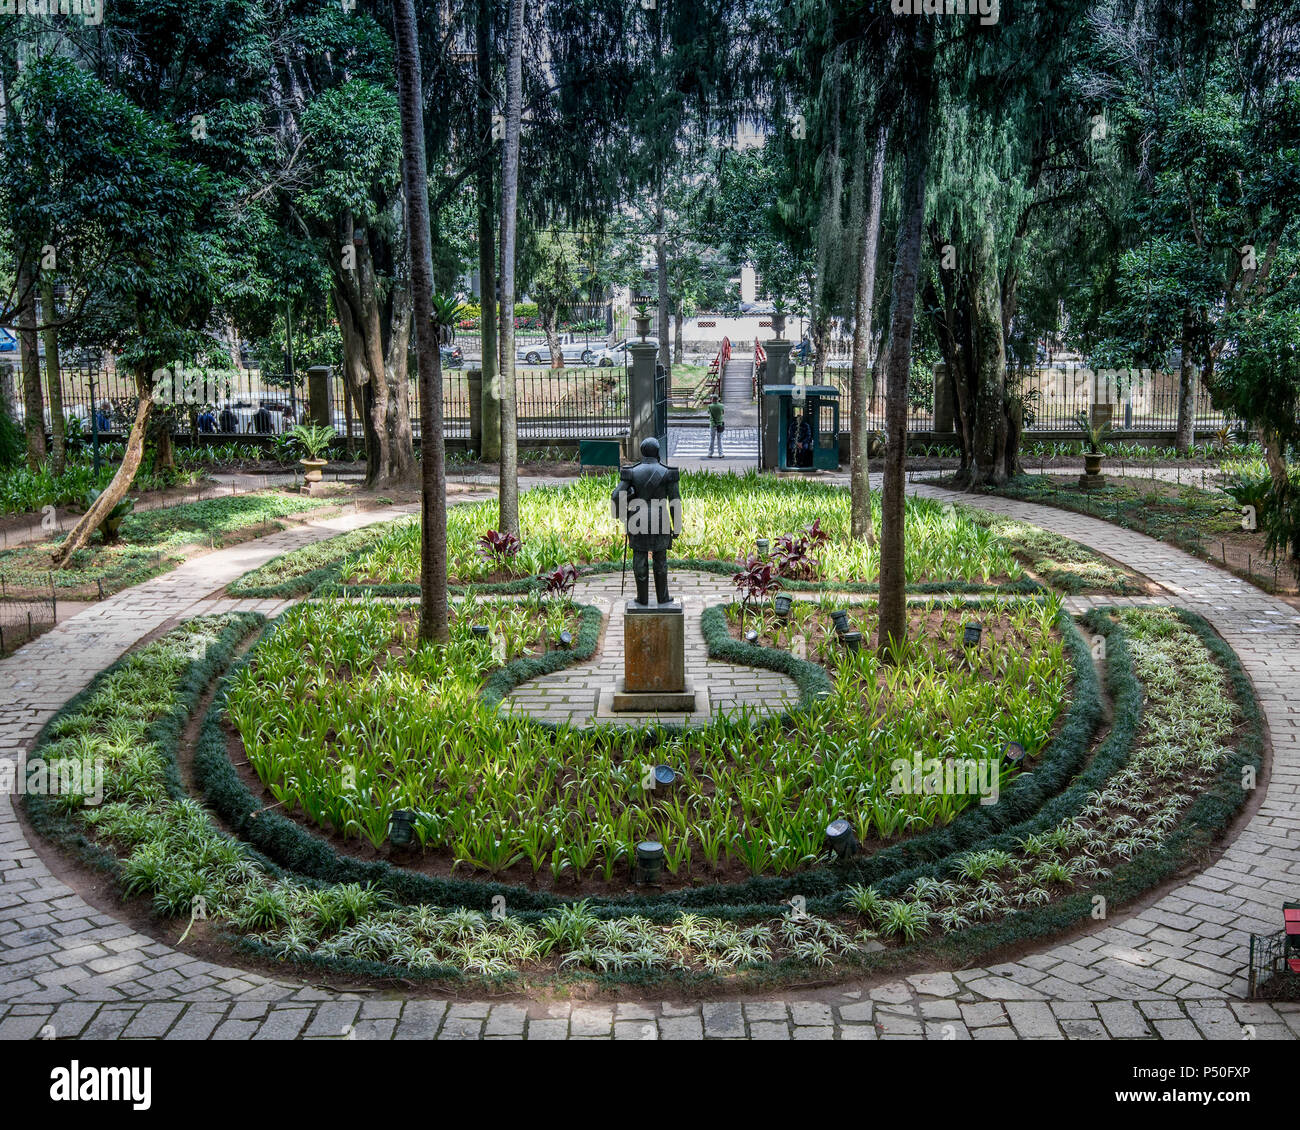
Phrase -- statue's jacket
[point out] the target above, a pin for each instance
(647, 501)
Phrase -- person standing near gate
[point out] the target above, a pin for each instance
(716, 413)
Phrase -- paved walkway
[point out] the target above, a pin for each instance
(217, 486)
(573, 695)
(1174, 969)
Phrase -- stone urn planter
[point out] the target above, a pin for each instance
(311, 469)
(1092, 476)
(778, 325)
(643, 326)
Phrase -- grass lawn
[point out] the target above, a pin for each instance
(151, 542)
(1200, 519)
(723, 514)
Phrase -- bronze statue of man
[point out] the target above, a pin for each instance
(646, 501)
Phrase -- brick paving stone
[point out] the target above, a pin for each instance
(283, 1024)
(585, 1021)
(810, 1012)
(21, 1027)
(857, 1013)
(1084, 1029)
(505, 1020)
(153, 1020)
(195, 1024)
(983, 1015)
(723, 1020)
(1177, 1030)
(547, 1029)
(1033, 1020)
(333, 1018)
(1123, 1020)
(681, 1028)
(636, 1030)
(237, 1030)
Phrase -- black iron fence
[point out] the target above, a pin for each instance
(565, 402)
(1140, 400)
(1272, 976)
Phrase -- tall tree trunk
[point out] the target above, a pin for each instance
(376, 332)
(164, 451)
(33, 399)
(550, 319)
(893, 597)
(487, 241)
(989, 364)
(433, 472)
(679, 316)
(1185, 435)
(1275, 456)
(122, 479)
(860, 373)
(661, 272)
(508, 492)
(53, 379)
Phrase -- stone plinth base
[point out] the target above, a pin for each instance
(654, 650)
(647, 702)
(636, 709)
(1092, 482)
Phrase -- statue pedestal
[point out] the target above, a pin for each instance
(654, 660)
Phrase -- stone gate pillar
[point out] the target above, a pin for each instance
(641, 396)
(943, 399)
(474, 379)
(778, 373)
(319, 408)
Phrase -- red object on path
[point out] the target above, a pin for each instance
(1291, 917)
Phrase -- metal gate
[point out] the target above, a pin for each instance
(661, 410)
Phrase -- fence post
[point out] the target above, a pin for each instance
(318, 396)
(641, 396)
(943, 399)
(475, 378)
(769, 410)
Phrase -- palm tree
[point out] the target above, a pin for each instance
(433, 472)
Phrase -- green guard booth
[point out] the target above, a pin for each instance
(808, 427)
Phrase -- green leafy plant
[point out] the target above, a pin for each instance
(314, 439)
(1094, 434)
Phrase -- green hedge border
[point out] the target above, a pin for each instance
(305, 852)
(1205, 820)
(164, 732)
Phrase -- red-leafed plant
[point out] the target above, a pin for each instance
(560, 581)
(498, 547)
(755, 579)
(795, 553)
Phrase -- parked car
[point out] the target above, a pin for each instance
(539, 353)
(8, 341)
(612, 355)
